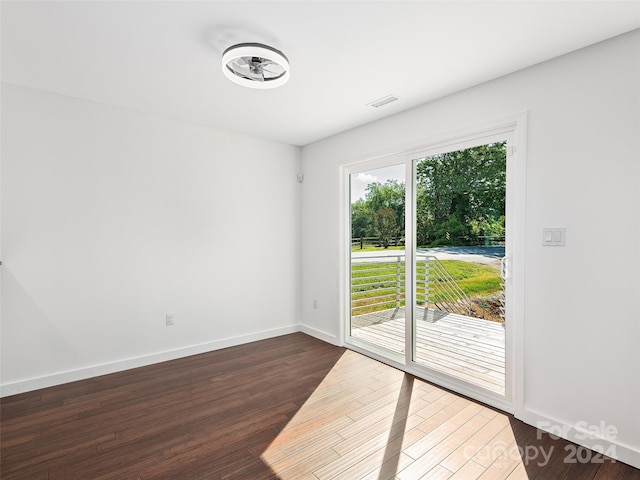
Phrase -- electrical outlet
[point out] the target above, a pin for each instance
(170, 319)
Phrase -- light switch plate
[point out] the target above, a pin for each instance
(554, 236)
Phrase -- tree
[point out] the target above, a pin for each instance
(387, 195)
(361, 225)
(461, 194)
(378, 196)
(386, 225)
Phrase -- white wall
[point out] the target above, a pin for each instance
(582, 307)
(112, 218)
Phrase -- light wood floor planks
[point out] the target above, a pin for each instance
(290, 407)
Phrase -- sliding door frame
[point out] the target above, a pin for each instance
(513, 127)
(345, 339)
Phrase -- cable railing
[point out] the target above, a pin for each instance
(378, 283)
(442, 290)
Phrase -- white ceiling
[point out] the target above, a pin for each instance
(164, 57)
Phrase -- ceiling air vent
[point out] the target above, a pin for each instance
(383, 101)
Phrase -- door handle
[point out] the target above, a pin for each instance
(505, 268)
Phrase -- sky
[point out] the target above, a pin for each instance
(359, 181)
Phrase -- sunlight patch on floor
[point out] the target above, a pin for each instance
(368, 420)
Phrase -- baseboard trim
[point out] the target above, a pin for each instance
(141, 361)
(319, 334)
(583, 435)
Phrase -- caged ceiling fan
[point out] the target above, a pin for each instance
(255, 65)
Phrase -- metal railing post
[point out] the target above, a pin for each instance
(398, 265)
(427, 281)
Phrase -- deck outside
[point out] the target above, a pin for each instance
(471, 349)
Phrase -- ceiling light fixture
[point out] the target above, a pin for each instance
(255, 65)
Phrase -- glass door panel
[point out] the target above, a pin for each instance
(378, 273)
(460, 199)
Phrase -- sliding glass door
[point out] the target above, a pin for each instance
(459, 308)
(430, 259)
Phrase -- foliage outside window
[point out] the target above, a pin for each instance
(460, 200)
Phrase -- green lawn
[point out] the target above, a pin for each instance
(475, 280)
(371, 280)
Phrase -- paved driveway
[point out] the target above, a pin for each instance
(489, 255)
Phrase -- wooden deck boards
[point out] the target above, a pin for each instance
(471, 349)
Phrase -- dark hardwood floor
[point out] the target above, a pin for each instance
(290, 407)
